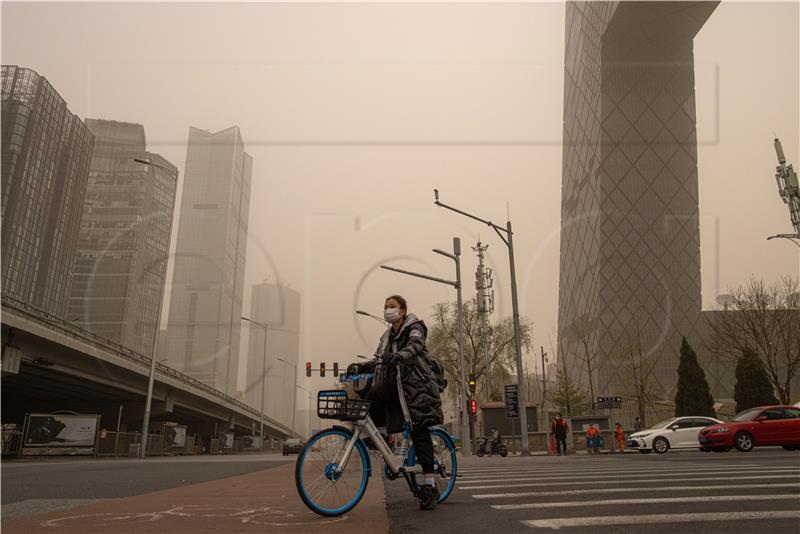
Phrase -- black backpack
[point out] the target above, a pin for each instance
(437, 370)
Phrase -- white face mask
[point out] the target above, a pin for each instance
(390, 315)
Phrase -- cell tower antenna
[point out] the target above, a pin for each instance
(789, 191)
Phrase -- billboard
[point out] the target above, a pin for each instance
(174, 437)
(51, 434)
(251, 442)
(226, 440)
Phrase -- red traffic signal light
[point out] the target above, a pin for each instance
(336, 369)
(473, 406)
(308, 368)
(322, 369)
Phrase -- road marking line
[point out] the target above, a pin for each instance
(620, 481)
(653, 500)
(629, 476)
(631, 490)
(658, 518)
(584, 467)
(616, 472)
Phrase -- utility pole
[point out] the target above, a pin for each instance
(789, 191)
(508, 239)
(466, 440)
(485, 301)
(544, 399)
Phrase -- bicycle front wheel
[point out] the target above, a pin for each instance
(445, 462)
(324, 490)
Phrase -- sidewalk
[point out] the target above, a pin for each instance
(263, 501)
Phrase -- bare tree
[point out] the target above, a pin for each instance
(568, 394)
(764, 319)
(442, 344)
(589, 355)
(639, 367)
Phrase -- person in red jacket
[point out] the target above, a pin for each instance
(560, 431)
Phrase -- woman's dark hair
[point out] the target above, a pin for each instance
(400, 300)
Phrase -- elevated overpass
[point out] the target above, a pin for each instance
(49, 364)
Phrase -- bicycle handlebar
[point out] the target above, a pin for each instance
(354, 378)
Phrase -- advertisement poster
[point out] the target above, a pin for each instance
(175, 437)
(226, 440)
(251, 442)
(60, 434)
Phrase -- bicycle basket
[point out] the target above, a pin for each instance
(334, 404)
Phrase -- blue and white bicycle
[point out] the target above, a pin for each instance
(334, 467)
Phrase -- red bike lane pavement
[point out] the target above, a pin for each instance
(263, 501)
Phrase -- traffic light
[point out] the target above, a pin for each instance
(336, 369)
(473, 406)
(472, 382)
(322, 369)
(308, 368)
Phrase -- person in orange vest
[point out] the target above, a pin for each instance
(592, 437)
(619, 435)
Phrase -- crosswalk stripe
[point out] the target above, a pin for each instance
(603, 473)
(625, 476)
(658, 518)
(617, 481)
(632, 490)
(583, 465)
(655, 500)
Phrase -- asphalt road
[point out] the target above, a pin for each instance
(31, 487)
(686, 491)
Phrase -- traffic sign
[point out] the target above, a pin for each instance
(609, 402)
(512, 400)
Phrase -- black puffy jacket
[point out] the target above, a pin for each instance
(421, 391)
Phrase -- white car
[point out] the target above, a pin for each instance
(675, 433)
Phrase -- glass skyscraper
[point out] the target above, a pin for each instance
(630, 246)
(46, 152)
(208, 280)
(120, 265)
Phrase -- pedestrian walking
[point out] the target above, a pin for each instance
(560, 431)
(637, 425)
(619, 435)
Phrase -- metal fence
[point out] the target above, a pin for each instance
(121, 444)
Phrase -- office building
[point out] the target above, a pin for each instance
(206, 295)
(46, 152)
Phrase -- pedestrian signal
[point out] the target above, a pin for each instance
(473, 406)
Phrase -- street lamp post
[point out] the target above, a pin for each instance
(309, 405)
(508, 239)
(263, 373)
(466, 441)
(294, 397)
(142, 452)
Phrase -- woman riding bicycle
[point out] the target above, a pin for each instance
(402, 349)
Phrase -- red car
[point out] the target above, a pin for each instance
(765, 425)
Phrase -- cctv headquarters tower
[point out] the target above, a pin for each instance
(630, 244)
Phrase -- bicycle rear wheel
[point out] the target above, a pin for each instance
(324, 491)
(445, 463)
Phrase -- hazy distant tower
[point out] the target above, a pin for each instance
(630, 246)
(206, 298)
(46, 152)
(119, 271)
